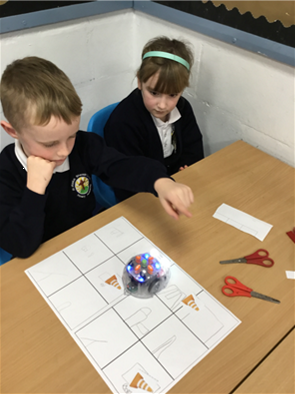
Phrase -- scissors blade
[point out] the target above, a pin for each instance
(264, 297)
(241, 260)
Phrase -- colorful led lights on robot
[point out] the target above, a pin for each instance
(150, 269)
(145, 261)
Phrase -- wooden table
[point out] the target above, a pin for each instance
(38, 354)
(276, 374)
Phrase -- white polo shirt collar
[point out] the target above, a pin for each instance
(22, 158)
(173, 117)
(165, 131)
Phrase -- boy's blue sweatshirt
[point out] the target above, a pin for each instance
(27, 219)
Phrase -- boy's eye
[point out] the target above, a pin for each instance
(49, 145)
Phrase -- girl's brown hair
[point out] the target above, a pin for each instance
(173, 76)
(33, 90)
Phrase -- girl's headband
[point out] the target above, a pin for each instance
(167, 55)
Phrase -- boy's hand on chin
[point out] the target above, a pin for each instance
(39, 173)
(174, 197)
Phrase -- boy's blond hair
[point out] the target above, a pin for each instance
(33, 90)
(173, 76)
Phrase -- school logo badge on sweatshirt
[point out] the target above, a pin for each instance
(81, 183)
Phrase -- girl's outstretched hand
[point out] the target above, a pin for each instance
(183, 168)
(174, 197)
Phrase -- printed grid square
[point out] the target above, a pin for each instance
(53, 273)
(101, 339)
(142, 315)
(118, 235)
(107, 279)
(174, 346)
(88, 253)
(77, 303)
(178, 288)
(137, 371)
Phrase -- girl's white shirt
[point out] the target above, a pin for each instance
(165, 131)
(22, 158)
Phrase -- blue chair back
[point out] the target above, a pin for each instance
(4, 256)
(104, 194)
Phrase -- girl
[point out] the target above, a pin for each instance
(155, 120)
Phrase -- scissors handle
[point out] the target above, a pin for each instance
(259, 254)
(236, 288)
(230, 291)
(260, 257)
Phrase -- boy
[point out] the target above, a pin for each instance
(45, 177)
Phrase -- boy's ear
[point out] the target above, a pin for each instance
(139, 84)
(9, 129)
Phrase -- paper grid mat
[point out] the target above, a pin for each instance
(136, 345)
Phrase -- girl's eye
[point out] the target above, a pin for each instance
(153, 93)
(174, 95)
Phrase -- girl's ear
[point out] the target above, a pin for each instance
(9, 129)
(139, 84)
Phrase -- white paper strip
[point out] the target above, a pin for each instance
(290, 274)
(242, 221)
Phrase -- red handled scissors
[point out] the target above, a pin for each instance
(236, 288)
(260, 257)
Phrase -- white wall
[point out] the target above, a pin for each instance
(235, 94)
